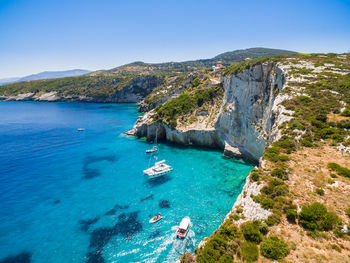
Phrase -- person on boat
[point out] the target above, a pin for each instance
(158, 215)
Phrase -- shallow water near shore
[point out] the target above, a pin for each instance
(80, 196)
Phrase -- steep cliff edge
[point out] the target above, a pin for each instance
(245, 120)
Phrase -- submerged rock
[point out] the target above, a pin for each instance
(164, 204)
(127, 226)
(92, 172)
(24, 257)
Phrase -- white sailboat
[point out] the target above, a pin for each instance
(159, 168)
(154, 148)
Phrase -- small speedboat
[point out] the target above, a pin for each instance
(184, 226)
(154, 149)
(156, 218)
(81, 129)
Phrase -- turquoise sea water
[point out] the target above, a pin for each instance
(69, 196)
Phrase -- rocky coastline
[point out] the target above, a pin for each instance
(248, 121)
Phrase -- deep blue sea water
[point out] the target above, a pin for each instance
(70, 196)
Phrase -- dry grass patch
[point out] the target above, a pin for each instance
(332, 117)
(309, 172)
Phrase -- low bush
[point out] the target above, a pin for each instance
(316, 217)
(329, 221)
(331, 181)
(291, 215)
(280, 173)
(345, 113)
(264, 201)
(319, 191)
(249, 251)
(310, 216)
(286, 143)
(274, 248)
(272, 154)
(239, 210)
(342, 171)
(273, 219)
(251, 232)
(255, 175)
(306, 143)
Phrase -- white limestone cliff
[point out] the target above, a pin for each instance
(248, 119)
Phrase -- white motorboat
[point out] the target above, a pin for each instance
(159, 169)
(156, 218)
(154, 149)
(81, 129)
(184, 226)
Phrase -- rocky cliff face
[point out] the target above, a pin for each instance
(139, 88)
(248, 114)
(248, 118)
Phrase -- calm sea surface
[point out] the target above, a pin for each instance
(70, 196)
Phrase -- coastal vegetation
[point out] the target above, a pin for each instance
(87, 86)
(196, 96)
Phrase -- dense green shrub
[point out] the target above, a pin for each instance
(281, 190)
(329, 221)
(310, 216)
(254, 175)
(342, 171)
(319, 191)
(286, 143)
(274, 248)
(316, 217)
(249, 251)
(306, 142)
(272, 154)
(280, 173)
(251, 232)
(345, 113)
(291, 215)
(264, 201)
(273, 219)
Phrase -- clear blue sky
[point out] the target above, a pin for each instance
(39, 35)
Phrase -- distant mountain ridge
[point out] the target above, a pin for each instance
(124, 83)
(225, 58)
(47, 75)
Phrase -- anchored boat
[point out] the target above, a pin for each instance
(184, 226)
(159, 169)
(154, 149)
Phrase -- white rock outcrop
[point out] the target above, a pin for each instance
(251, 210)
